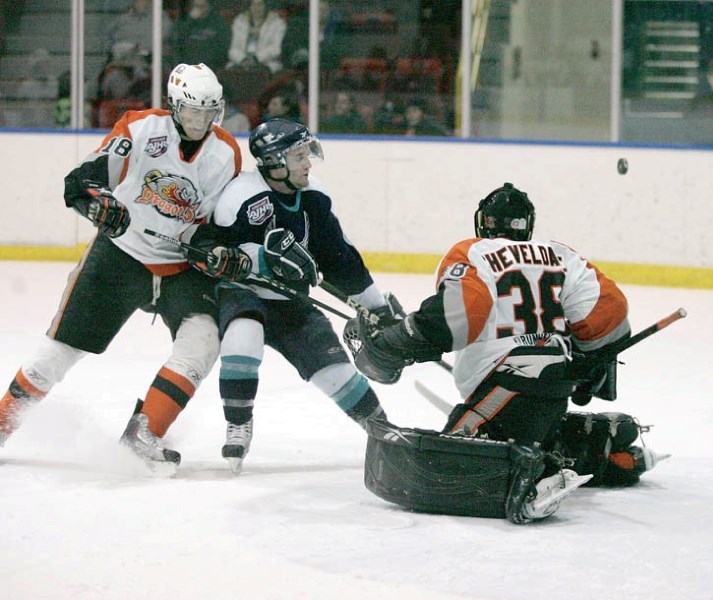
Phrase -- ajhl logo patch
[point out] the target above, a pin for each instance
(156, 146)
(260, 211)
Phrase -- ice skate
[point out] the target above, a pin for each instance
(237, 444)
(551, 491)
(141, 441)
(637, 459)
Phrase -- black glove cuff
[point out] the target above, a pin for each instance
(405, 340)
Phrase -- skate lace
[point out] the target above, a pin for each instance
(239, 434)
(145, 437)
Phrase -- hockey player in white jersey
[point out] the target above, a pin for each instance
(162, 170)
(513, 309)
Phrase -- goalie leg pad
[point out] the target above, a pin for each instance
(429, 472)
(595, 440)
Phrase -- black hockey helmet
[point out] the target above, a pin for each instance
(272, 140)
(505, 212)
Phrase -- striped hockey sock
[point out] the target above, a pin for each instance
(166, 398)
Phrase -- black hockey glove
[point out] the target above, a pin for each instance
(596, 376)
(385, 352)
(391, 313)
(107, 214)
(289, 260)
(230, 264)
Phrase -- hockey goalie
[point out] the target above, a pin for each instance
(534, 326)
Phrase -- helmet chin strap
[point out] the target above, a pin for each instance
(286, 180)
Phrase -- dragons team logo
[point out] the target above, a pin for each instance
(260, 211)
(157, 146)
(171, 195)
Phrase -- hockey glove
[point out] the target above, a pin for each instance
(596, 377)
(384, 353)
(230, 264)
(107, 214)
(391, 313)
(288, 259)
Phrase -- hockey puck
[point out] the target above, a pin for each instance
(622, 166)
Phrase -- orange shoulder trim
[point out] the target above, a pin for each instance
(226, 137)
(608, 313)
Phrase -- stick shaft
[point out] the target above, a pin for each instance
(254, 279)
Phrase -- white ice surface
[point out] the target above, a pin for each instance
(80, 520)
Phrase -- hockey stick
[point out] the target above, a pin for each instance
(610, 354)
(253, 278)
(442, 405)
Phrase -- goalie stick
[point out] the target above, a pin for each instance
(253, 279)
(609, 354)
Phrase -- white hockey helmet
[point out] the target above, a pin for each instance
(195, 99)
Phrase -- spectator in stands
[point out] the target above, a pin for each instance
(419, 122)
(257, 35)
(200, 36)
(38, 81)
(235, 120)
(135, 28)
(284, 105)
(345, 117)
(295, 45)
(389, 118)
(63, 106)
(127, 68)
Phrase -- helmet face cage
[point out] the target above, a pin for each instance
(505, 212)
(271, 141)
(194, 90)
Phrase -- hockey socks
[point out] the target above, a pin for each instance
(166, 398)
(20, 395)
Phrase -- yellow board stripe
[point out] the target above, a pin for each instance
(626, 273)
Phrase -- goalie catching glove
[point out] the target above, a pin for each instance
(288, 259)
(384, 353)
(108, 215)
(230, 264)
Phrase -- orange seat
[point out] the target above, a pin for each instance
(421, 75)
(360, 73)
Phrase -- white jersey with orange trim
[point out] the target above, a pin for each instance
(495, 294)
(141, 161)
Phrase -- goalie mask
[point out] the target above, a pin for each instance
(271, 143)
(195, 99)
(505, 212)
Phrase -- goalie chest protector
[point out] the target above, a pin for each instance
(430, 472)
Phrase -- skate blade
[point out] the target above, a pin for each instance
(161, 469)
(552, 499)
(236, 464)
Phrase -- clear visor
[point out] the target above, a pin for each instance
(200, 116)
(309, 148)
